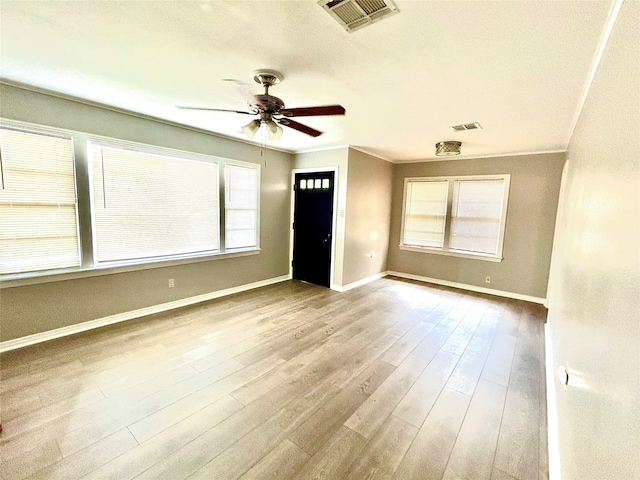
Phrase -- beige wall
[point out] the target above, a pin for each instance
(338, 158)
(594, 301)
(25, 310)
(368, 216)
(533, 196)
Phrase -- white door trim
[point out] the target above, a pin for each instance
(334, 219)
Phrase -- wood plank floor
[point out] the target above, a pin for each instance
(393, 380)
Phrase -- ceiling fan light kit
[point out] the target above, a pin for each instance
(251, 128)
(271, 110)
(448, 148)
(274, 131)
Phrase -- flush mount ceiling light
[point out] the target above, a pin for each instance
(447, 149)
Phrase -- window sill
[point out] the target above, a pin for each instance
(452, 253)
(33, 278)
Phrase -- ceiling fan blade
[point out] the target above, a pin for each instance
(313, 111)
(244, 89)
(213, 109)
(298, 126)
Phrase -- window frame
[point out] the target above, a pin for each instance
(89, 266)
(446, 250)
(223, 202)
(92, 200)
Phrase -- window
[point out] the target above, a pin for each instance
(149, 206)
(72, 202)
(476, 215)
(37, 203)
(241, 206)
(463, 216)
(425, 211)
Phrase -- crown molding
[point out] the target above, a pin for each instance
(604, 40)
(479, 157)
(122, 111)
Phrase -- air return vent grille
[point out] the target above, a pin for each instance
(466, 126)
(356, 14)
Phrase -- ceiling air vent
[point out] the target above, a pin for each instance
(356, 14)
(466, 126)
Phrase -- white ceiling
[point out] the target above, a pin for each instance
(520, 68)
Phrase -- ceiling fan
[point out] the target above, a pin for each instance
(271, 110)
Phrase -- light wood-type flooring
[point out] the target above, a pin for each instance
(392, 380)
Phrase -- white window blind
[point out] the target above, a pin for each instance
(425, 213)
(459, 216)
(37, 203)
(476, 215)
(241, 207)
(148, 206)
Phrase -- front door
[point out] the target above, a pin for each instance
(312, 227)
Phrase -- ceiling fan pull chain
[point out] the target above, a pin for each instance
(263, 142)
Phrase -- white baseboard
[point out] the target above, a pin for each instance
(140, 312)
(552, 411)
(364, 281)
(472, 288)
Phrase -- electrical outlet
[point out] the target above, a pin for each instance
(172, 283)
(487, 279)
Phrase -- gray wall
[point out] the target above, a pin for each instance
(594, 288)
(29, 309)
(368, 215)
(531, 213)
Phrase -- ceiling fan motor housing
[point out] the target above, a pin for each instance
(268, 104)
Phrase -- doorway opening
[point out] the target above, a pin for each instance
(313, 226)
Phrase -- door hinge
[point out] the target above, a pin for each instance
(292, 263)
(293, 225)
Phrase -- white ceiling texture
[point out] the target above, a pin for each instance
(520, 68)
